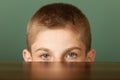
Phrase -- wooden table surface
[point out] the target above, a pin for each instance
(59, 71)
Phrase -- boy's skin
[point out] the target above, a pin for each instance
(62, 42)
(56, 46)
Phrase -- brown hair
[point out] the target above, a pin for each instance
(58, 15)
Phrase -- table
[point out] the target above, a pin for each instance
(59, 71)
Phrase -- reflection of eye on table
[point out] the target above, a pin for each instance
(59, 71)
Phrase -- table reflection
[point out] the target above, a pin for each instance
(57, 71)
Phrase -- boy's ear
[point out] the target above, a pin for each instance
(26, 55)
(91, 55)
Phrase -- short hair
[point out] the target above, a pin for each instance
(58, 15)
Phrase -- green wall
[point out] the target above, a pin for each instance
(104, 17)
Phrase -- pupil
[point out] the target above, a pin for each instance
(71, 54)
(45, 55)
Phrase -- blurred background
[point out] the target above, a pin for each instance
(103, 15)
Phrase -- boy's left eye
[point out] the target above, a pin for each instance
(71, 55)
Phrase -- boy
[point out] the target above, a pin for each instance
(59, 32)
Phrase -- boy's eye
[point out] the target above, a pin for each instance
(45, 56)
(71, 55)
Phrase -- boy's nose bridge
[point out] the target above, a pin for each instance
(59, 59)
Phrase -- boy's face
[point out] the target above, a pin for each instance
(58, 45)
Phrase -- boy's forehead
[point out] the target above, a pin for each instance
(55, 33)
(58, 34)
(56, 38)
(61, 33)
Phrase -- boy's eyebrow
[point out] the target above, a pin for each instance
(72, 48)
(43, 49)
(67, 50)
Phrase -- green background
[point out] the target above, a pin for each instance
(104, 17)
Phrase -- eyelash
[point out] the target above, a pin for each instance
(73, 54)
(69, 55)
(44, 55)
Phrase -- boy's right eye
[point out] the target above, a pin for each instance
(45, 56)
